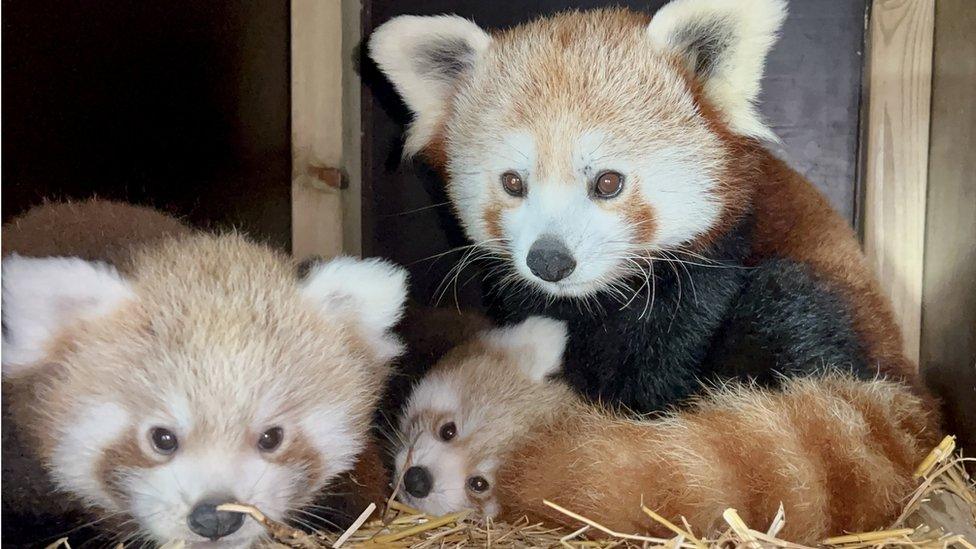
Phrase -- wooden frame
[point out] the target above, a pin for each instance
(919, 218)
(948, 346)
(899, 68)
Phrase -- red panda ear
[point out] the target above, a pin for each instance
(44, 296)
(425, 57)
(536, 344)
(725, 45)
(371, 291)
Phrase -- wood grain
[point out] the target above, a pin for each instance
(948, 347)
(896, 165)
(316, 125)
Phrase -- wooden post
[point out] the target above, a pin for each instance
(316, 117)
(949, 292)
(896, 164)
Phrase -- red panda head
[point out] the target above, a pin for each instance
(471, 408)
(575, 144)
(203, 373)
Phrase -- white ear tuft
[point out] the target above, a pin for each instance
(425, 57)
(537, 344)
(44, 296)
(725, 43)
(372, 291)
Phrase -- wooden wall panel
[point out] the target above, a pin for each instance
(896, 162)
(948, 348)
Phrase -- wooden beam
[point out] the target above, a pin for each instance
(949, 289)
(352, 127)
(316, 119)
(896, 164)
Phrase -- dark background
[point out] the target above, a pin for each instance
(811, 98)
(182, 105)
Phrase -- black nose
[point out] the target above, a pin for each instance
(207, 521)
(417, 481)
(550, 260)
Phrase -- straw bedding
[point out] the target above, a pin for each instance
(941, 513)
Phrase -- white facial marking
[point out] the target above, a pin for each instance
(79, 449)
(331, 430)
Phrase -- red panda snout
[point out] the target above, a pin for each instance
(550, 259)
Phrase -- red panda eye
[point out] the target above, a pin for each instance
(512, 183)
(448, 431)
(270, 439)
(478, 484)
(163, 440)
(608, 184)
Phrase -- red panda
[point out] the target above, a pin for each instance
(489, 428)
(615, 161)
(156, 372)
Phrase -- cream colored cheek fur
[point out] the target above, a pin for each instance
(79, 447)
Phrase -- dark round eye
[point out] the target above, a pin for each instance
(608, 184)
(513, 184)
(478, 484)
(163, 440)
(448, 431)
(270, 439)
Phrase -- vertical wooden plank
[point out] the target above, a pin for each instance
(316, 118)
(949, 284)
(352, 127)
(896, 167)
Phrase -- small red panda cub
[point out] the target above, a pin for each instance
(490, 428)
(191, 371)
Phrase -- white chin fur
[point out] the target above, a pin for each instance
(567, 288)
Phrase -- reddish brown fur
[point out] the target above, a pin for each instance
(493, 216)
(301, 455)
(92, 229)
(794, 220)
(124, 455)
(640, 215)
(837, 453)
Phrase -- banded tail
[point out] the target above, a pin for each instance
(838, 453)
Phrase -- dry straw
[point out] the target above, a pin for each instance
(941, 513)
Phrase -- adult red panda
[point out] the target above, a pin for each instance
(489, 428)
(616, 162)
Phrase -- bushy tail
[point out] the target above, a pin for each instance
(838, 453)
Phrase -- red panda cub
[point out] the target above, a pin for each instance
(490, 429)
(156, 374)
